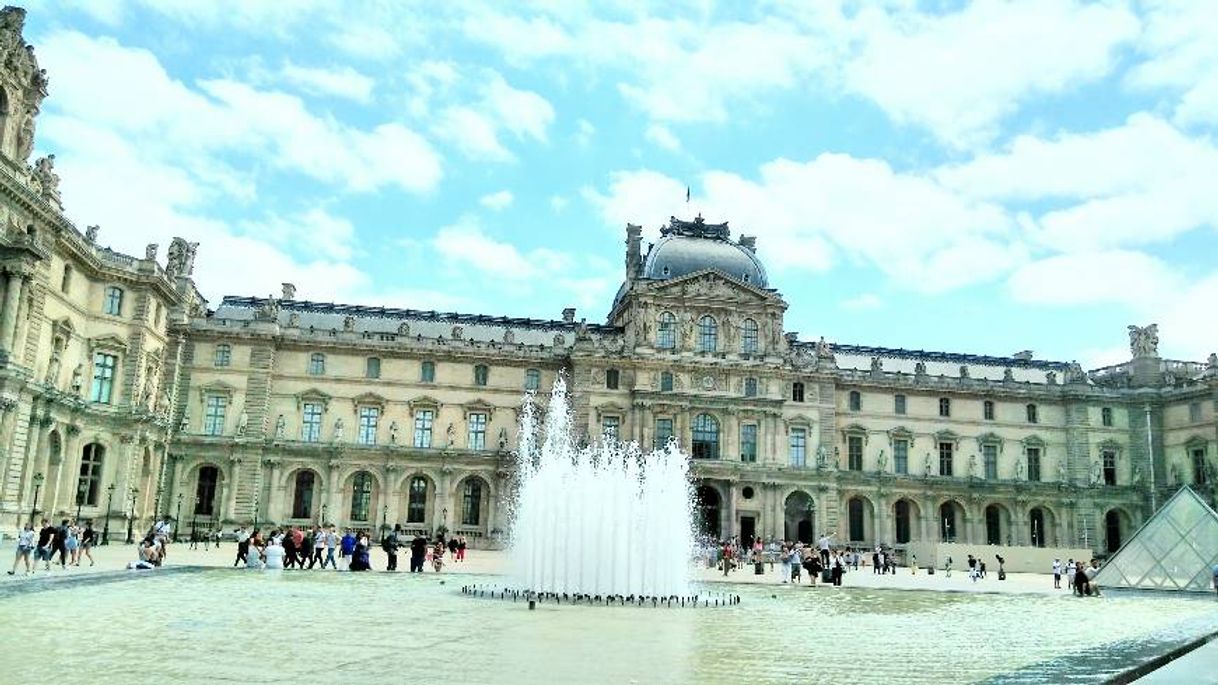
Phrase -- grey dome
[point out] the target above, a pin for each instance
(686, 247)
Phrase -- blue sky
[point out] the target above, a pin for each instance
(982, 177)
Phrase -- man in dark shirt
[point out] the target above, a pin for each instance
(46, 543)
(61, 543)
(418, 553)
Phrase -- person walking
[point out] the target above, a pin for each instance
(319, 547)
(461, 549)
(1057, 574)
(913, 564)
(437, 556)
(61, 543)
(331, 543)
(823, 543)
(73, 544)
(25, 546)
(418, 553)
(46, 545)
(390, 545)
(839, 568)
(347, 548)
(947, 567)
(243, 547)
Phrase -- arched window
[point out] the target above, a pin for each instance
(471, 503)
(1036, 523)
(857, 532)
(706, 437)
(224, 354)
(1033, 416)
(90, 474)
(317, 364)
(902, 521)
(993, 525)
(708, 334)
(748, 337)
(666, 331)
(797, 392)
(947, 522)
(532, 379)
(205, 491)
(666, 381)
(361, 496)
(113, 301)
(1112, 526)
(372, 367)
(481, 373)
(302, 498)
(416, 507)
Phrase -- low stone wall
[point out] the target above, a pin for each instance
(1019, 559)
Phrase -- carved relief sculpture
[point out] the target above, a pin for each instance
(338, 430)
(242, 424)
(1144, 340)
(48, 180)
(78, 375)
(393, 433)
(281, 427)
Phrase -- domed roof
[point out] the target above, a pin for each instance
(689, 246)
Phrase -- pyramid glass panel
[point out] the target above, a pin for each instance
(1174, 550)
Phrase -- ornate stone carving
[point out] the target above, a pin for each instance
(920, 369)
(1211, 362)
(450, 435)
(150, 251)
(503, 439)
(243, 422)
(348, 324)
(964, 371)
(267, 311)
(338, 430)
(294, 319)
(821, 461)
(1050, 378)
(78, 383)
(393, 433)
(180, 260)
(708, 382)
(48, 180)
(877, 365)
(928, 464)
(509, 336)
(1144, 340)
(281, 427)
(1075, 374)
(972, 466)
(559, 340)
(458, 333)
(91, 233)
(288, 291)
(823, 349)
(1008, 376)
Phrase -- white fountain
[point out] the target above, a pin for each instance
(605, 519)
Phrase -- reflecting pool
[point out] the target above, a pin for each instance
(220, 626)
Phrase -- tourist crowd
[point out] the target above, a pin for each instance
(68, 541)
(307, 548)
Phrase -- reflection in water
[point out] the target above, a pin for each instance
(239, 626)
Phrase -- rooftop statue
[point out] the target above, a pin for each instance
(1144, 340)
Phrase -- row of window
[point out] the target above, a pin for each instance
(223, 357)
(1031, 411)
(361, 498)
(707, 334)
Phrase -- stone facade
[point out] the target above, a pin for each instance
(115, 377)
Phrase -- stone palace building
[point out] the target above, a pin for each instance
(125, 397)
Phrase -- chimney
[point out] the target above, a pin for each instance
(634, 255)
(568, 315)
(749, 242)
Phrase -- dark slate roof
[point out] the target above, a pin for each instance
(686, 247)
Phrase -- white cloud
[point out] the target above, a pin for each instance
(1180, 45)
(474, 127)
(473, 133)
(662, 136)
(497, 201)
(960, 73)
(863, 302)
(340, 82)
(315, 232)
(466, 244)
(584, 132)
(364, 40)
(558, 203)
(523, 112)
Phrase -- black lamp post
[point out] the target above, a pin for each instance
(177, 520)
(324, 508)
(38, 478)
(255, 526)
(384, 520)
(109, 508)
(80, 498)
(194, 521)
(131, 517)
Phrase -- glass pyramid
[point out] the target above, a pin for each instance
(1175, 550)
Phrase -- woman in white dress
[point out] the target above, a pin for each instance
(253, 558)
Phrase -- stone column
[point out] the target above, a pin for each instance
(331, 497)
(273, 506)
(388, 495)
(15, 285)
(730, 510)
(229, 512)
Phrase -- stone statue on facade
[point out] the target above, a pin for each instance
(91, 233)
(1019, 469)
(78, 375)
(150, 251)
(184, 426)
(972, 466)
(820, 458)
(1063, 475)
(1050, 378)
(687, 333)
(293, 319)
(48, 180)
(509, 336)
(287, 291)
(281, 427)
(52, 376)
(1097, 473)
(964, 371)
(503, 439)
(458, 333)
(450, 435)
(1075, 373)
(928, 464)
(180, 259)
(559, 340)
(1211, 363)
(920, 369)
(268, 310)
(338, 429)
(881, 462)
(393, 433)
(823, 349)
(877, 365)
(1008, 375)
(348, 323)
(1144, 340)
(243, 422)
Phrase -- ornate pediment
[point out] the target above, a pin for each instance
(709, 284)
(1034, 441)
(423, 402)
(610, 409)
(370, 399)
(108, 342)
(479, 407)
(313, 395)
(217, 388)
(990, 438)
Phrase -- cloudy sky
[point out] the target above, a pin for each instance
(982, 177)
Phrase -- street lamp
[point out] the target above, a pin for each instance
(131, 517)
(38, 478)
(177, 520)
(255, 526)
(109, 508)
(324, 518)
(194, 520)
(384, 519)
(80, 498)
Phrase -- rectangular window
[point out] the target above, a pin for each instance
(665, 381)
(945, 406)
(856, 401)
(477, 431)
(224, 354)
(1033, 464)
(799, 447)
(987, 410)
(1033, 414)
(317, 364)
(854, 453)
(481, 372)
(1200, 473)
(1194, 412)
(113, 303)
(750, 387)
(748, 442)
(103, 377)
(898, 404)
(65, 283)
(422, 427)
(945, 458)
(797, 392)
(663, 432)
(612, 378)
(611, 427)
(989, 454)
(1110, 471)
(368, 419)
(427, 372)
(310, 422)
(1106, 416)
(372, 367)
(900, 454)
(213, 415)
(532, 379)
